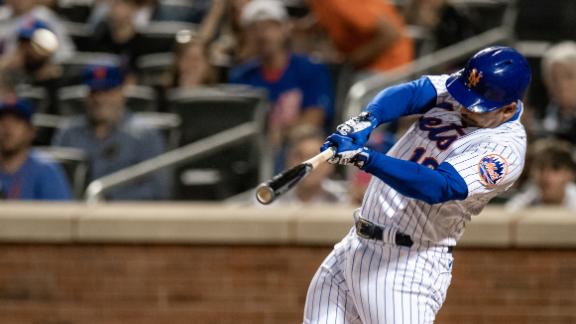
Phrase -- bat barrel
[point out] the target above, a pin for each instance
(268, 191)
(265, 194)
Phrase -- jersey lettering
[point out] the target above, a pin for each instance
(417, 157)
(437, 131)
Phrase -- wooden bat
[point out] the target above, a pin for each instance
(268, 191)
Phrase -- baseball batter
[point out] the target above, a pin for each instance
(467, 146)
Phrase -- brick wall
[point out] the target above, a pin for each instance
(72, 284)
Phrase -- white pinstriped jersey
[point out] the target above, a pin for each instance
(490, 160)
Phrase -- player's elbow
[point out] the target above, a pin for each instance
(450, 188)
(442, 197)
(444, 194)
(435, 198)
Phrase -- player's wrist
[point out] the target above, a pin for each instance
(363, 158)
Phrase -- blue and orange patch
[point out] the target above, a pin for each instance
(473, 78)
(492, 168)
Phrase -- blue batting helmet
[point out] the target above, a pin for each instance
(493, 78)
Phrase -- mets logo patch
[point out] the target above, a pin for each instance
(492, 168)
(473, 78)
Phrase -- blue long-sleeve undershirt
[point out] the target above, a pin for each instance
(417, 181)
(410, 178)
(415, 97)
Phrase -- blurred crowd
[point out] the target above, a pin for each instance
(76, 75)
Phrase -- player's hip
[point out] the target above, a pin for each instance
(390, 235)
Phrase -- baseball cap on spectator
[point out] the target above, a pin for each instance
(261, 10)
(102, 77)
(19, 107)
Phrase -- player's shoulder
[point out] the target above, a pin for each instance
(443, 97)
(507, 141)
(512, 129)
(505, 134)
(438, 82)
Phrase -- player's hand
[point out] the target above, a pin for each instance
(347, 152)
(358, 128)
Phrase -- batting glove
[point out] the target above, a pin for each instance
(347, 152)
(358, 128)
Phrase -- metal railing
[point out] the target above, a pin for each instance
(360, 91)
(187, 153)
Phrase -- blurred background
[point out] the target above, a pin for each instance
(133, 132)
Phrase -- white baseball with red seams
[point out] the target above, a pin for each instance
(370, 281)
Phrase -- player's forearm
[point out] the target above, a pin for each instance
(405, 99)
(417, 181)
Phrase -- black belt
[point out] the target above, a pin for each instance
(368, 230)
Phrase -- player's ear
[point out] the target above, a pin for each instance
(509, 110)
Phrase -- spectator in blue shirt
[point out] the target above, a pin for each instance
(298, 88)
(24, 173)
(111, 138)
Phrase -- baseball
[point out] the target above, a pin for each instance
(44, 42)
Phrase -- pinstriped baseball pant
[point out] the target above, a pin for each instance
(366, 281)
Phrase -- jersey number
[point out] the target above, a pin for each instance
(418, 157)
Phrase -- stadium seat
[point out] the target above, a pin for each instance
(74, 10)
(72, 99)
(36, 95)
(208, 111)
(152, 68)
(141, 98)
(167, 123)
(80, 35)
(181, 10)
(159, 36)
(45, 126)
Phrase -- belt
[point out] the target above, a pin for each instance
(368, 230)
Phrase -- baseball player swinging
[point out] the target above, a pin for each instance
(467, 146)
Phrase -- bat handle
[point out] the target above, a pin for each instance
(321, 157)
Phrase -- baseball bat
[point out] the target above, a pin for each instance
(268, 191)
